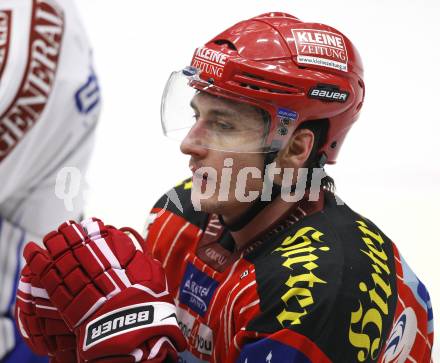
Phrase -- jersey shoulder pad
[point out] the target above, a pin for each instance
(178, 201)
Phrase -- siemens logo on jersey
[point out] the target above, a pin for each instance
(197, 289)
(117, 322)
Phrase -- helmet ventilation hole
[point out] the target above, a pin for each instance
(228, 43)
(258, 83)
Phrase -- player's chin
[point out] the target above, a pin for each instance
(208, 205)
(225, 208)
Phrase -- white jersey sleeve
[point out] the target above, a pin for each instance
(49, 106)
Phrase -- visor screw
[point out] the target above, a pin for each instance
(322, 160)
(189, 71)
(285, 121)
(282, 131)
(211, 80)
(333, 145)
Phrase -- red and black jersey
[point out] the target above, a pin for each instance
(322, 285)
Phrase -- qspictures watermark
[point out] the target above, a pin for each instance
(207, 181)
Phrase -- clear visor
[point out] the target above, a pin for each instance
(195, 112)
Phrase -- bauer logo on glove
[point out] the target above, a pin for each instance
(116, 322)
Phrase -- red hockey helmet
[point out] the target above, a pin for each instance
(294, 71)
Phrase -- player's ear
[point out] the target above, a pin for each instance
(297, 150)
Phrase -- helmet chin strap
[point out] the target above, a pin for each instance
(270, 157)
(258, 205)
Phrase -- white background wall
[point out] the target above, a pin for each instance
(388, 169)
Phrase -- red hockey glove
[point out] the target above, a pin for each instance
(39, 322)
(109, 292)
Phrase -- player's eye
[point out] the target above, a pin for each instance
(222, 125)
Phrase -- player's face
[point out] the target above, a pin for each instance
(229, 125)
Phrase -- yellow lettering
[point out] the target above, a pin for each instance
(381, 254)
(316, 235)
(359, 340)
(310, 278)
(298, 250)
(299, 259)
(364, 229)
(298, 292)
(301, 247)
(372, 316)
(377, 262)
(302, 294)
(369, 344)
(374, 296)
(293, 317)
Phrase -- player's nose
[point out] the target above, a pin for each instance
(194, 144)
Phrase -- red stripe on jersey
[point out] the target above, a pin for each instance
(169, 239)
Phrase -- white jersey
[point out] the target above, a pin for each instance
(49, 105)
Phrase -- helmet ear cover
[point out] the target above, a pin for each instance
(319, 129)
(316, 158)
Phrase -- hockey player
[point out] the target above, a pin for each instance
(49, 105)
(263, 262)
